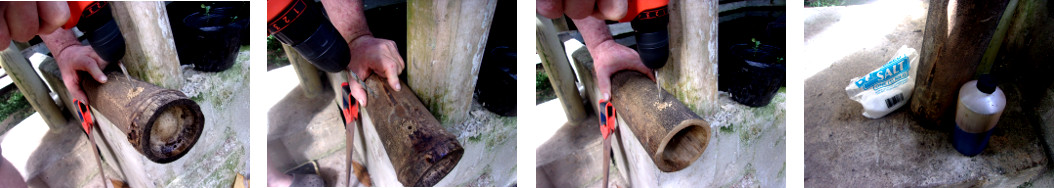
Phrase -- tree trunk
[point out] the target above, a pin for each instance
(957, 35)
(151, 52)
(445, 45)
(691, 73)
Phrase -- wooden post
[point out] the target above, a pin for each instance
(691, 72)
(310, 81)
(560, 75)
(956, 38)
(150, 50)
(49, 69)
(672, 134)
(32, 86)
(421, 150)
(445, 41)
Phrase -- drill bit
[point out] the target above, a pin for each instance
(658, 89)
(125, 71)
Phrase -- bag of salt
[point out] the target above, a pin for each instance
(887, 88)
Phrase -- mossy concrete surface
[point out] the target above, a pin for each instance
(845, 149)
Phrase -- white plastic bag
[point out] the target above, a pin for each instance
(887, 88)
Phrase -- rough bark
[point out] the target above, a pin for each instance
(162, 124)
(957, 35)
(420, 149)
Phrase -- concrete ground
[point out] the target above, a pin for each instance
(845, 149)
(63, 158)
(303, 129)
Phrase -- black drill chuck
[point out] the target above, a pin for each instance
(653, 40)
(304, 27)
(103, 34)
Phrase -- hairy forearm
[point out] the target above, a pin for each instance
(594, 31)
(348, 17)
(59, 40)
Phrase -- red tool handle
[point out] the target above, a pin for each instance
(644, 9)
(350, 106)
(79, 9)
(608, 123)
(85, 115)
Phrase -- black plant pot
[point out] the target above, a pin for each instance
(755, 74)
(210, 41)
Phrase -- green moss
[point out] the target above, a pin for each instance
(782, 172)
(727, 129)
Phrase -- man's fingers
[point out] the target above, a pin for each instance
(550, 8)
(53, 14)
(96, 72)
(610, 9)
(604, 83)
(22, 20)
(357, 91)
(578, 9)
(73, 86)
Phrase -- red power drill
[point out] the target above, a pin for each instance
(649, 19)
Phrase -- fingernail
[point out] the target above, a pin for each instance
(606, 96)
(362, 102)
(396, 86)
(102, 79)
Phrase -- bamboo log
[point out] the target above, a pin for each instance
(151, 51)
(672, 134)
(561, 76)
(421, 150)
(31, 86)
(162, 124)
(952, 47)
(445, 41)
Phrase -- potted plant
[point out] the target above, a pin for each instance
(757, 72)
(209, 37)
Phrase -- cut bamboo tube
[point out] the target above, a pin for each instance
(672, 134)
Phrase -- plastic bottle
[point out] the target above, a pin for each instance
(980, 105)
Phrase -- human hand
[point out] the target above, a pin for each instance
(373, 55)
(22, 20)
(79, 58)
(578, 9)
(610, 57)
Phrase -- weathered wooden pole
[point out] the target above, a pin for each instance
(162, 124)
(562, 78)
(955, 41)
(445, 41)
(151, 52)
(31, 86)
(691, 72)
(672, 134)
(420, 149)
(49, 69)
(310, 81)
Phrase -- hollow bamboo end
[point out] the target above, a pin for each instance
(683, 145)
(446, 163)
(172, 132)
